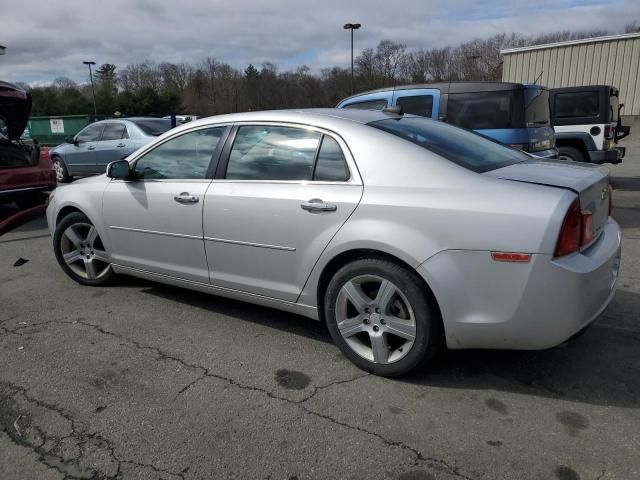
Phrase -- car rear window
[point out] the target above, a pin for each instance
(462, 147)
(486, 110)
(536, 106)
(153, 126)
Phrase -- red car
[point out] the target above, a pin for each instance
(26, 176)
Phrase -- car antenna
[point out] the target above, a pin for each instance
(538, 78)
(396, 109)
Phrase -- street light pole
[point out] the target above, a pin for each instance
(352, 27)
(93, 91)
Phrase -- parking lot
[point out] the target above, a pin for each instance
(146, 381)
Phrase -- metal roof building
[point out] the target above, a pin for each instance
(611, 60)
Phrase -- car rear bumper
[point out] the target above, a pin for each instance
(607, 156)
(526, 306)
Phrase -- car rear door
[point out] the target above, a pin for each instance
(155, 219)
(113, 145)
(80, 158)
(419, 101)
(280, 194)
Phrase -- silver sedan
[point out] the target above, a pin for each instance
(403, 234)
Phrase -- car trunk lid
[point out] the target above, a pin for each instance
(590, 182)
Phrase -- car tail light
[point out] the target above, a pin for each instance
(587, 227)
(571, 231)
(608, 132)
(610, 199)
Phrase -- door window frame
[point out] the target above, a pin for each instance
(101, 125)
(221, 170)
(213, 161)
(420, 92)
(122, 135)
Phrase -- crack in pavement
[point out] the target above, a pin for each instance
(49, 448)
(420, 459)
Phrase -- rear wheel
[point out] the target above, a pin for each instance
(379, 315)
(80, 251)
(570, 153)
(62, 175)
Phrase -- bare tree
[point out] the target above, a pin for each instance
(389, 59)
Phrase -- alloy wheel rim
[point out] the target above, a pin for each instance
(59, 171)
(375, 319)
(83, 251)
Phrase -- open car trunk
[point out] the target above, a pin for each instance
(15, 107)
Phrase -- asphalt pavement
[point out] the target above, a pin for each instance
(145, 381)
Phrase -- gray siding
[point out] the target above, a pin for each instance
(606, 62)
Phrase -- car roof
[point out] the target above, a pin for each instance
(448, 87)
(320, 117)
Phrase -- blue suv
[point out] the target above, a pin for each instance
(512, 113)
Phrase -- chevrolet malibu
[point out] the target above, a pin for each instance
(403, 234)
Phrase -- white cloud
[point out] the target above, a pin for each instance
(47, 39)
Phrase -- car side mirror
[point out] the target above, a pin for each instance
(119, 169)
(71, 140)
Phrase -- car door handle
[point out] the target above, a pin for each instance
(91, 147)
(186, 197)
(121, 145)
(317, 205)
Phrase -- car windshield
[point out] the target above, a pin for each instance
(153, 126)
(462, 147)
(536, 106)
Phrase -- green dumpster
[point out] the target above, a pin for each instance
(53, 130)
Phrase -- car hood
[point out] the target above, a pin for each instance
(15, 107)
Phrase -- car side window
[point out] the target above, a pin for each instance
(368, 105)
(577, 104)
(184, 157)
(272, 153)
(113, 131)
(331, 166)
(416, 105)
(91, 133)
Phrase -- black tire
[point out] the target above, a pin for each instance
(428, 331)
(570, 153)
(75, 219)
(62, 174)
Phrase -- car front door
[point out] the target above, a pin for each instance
(80, 158)
(155, 219)
(419, 101)
(280, 194)
(114, 145)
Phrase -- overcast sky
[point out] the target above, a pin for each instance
(46, 39)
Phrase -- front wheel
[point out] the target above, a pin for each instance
(379, 315)
(80, 251)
